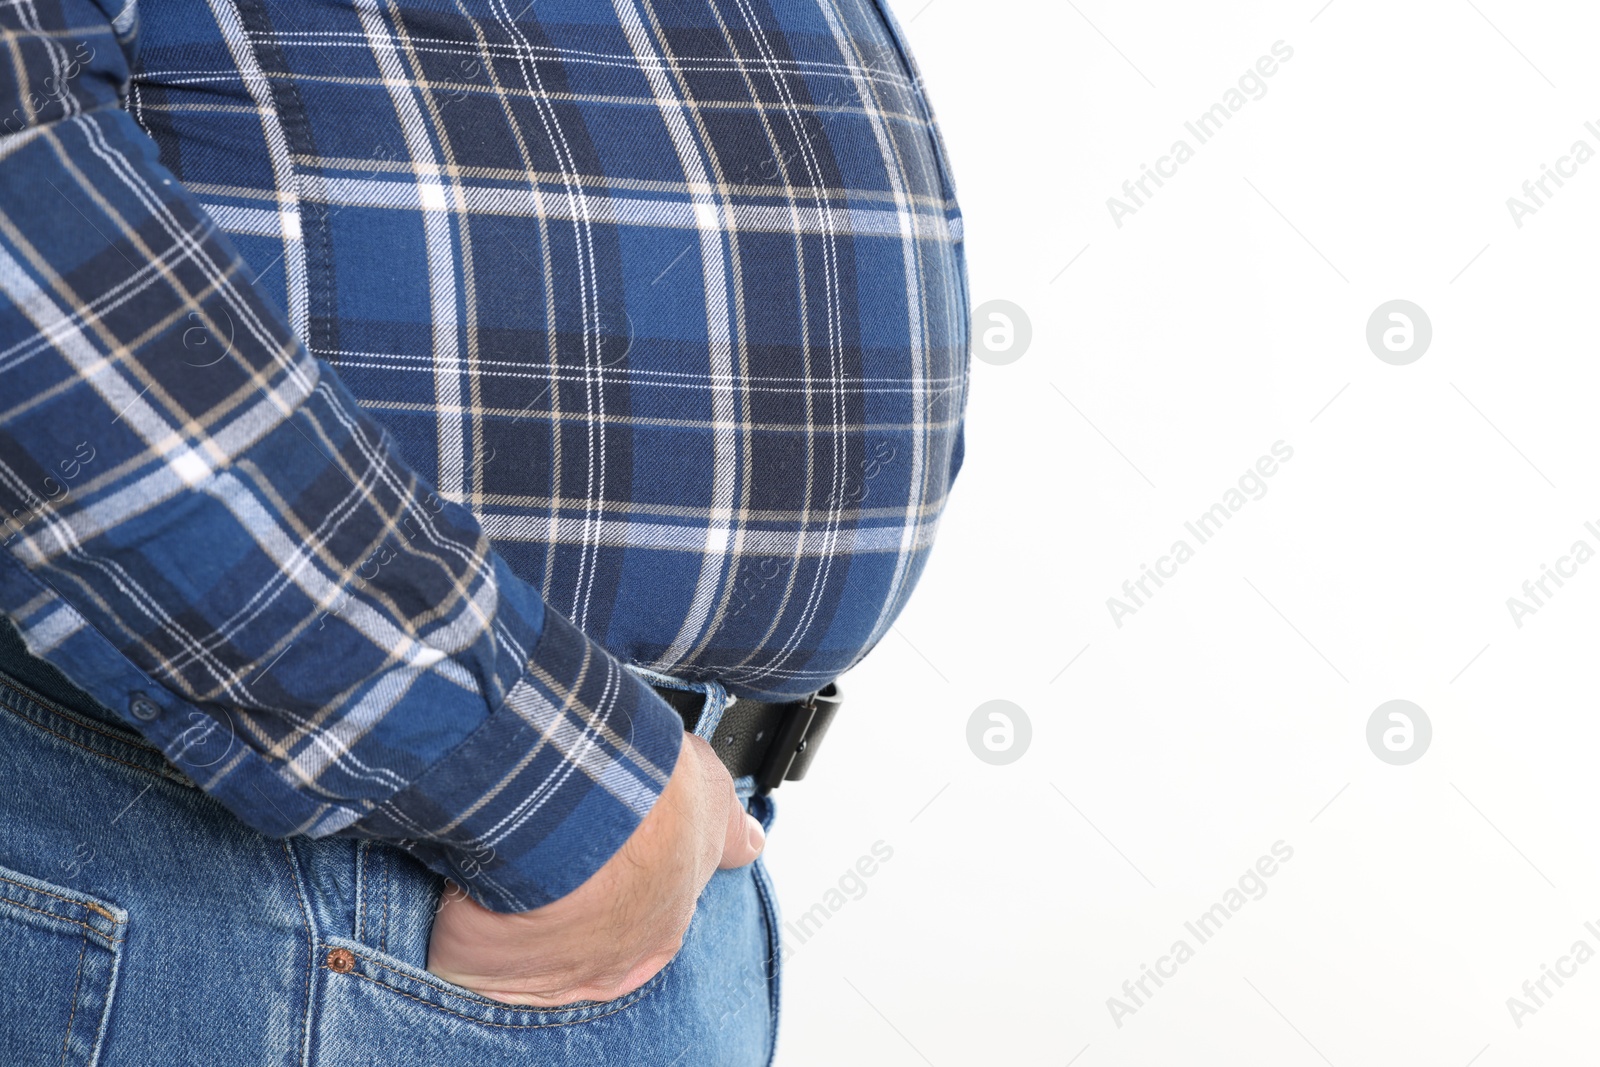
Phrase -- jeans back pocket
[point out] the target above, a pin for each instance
(59, 951)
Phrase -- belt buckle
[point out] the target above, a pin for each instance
(801, 731)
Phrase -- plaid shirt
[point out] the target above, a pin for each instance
(379, 379)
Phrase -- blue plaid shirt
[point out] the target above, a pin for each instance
(381, 379)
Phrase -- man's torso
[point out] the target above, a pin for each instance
(671, 295)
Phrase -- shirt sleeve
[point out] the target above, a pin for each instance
(204, 531)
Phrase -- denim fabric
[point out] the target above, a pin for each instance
(142, 924)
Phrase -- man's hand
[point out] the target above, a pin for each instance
(612, 934)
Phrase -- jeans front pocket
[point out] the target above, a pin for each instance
(59, 951)
(379, 1005)
(711, 1006)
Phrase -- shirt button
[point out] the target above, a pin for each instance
(144, 709)
(341, 960)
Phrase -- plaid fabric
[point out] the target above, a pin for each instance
(386, 375)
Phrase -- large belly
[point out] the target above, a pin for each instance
(673, 300)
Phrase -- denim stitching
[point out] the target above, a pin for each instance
(363, 889)
(47, 893)
(632, 999)
(112, 738)
(383, 936)
(61, 918)
(311, 948)
(77, 984)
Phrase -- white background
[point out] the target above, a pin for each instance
(1227, 713)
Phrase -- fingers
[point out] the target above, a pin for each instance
(617, 930)
(745, 838)
(741, 836)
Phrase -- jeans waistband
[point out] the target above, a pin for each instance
(45, 680)
(715, 701)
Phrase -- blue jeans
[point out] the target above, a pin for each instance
(141, 924)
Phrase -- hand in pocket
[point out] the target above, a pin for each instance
(616, 931)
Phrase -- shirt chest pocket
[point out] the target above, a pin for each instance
(58, 968)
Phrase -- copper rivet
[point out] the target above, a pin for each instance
(341, 960)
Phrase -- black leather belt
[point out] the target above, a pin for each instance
(774, 743)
